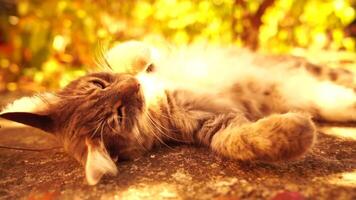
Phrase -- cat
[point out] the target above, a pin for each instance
(239, 104)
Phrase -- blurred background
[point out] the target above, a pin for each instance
(45, 44)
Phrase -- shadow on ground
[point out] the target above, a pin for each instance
(179, 172)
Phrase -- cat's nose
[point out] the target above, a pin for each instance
(130, 86)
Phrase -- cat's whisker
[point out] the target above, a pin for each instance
(101, 132)
(158, 125)
(160, 140)
(153, 131)
(101, 60)
(101, 122)
(136, 133)
(109, 121)
(140, 140)
(111, 128)
(108, 64)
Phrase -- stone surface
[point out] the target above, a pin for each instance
(178, 172)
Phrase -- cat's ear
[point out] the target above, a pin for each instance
(26, 111)
(98, 162)
(43, 122)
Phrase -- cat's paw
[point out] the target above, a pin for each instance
(280, 137)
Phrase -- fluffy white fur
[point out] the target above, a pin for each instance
(211, 69)
(32, 104)
(129, 56)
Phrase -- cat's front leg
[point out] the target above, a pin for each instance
(278, 137)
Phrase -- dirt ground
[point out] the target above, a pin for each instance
(179, 172)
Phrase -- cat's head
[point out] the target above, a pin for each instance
(94, 116)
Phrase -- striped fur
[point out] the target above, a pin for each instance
(240, 105)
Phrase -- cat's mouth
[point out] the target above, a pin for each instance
(120, 114)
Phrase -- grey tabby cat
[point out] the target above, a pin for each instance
(240, 105)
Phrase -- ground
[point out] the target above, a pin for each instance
(178, 172)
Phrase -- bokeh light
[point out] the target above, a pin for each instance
(47, 43)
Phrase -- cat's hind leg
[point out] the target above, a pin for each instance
(278, 137)
(324, 100)
(334, 103)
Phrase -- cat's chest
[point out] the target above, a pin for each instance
(201, 102)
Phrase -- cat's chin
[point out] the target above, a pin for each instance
(152, 89)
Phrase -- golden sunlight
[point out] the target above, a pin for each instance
(344, 179)
(59, 43)
(342, 132)
(148, 191)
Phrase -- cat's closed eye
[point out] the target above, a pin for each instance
(98, 83)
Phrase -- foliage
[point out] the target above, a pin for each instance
(46, 43)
